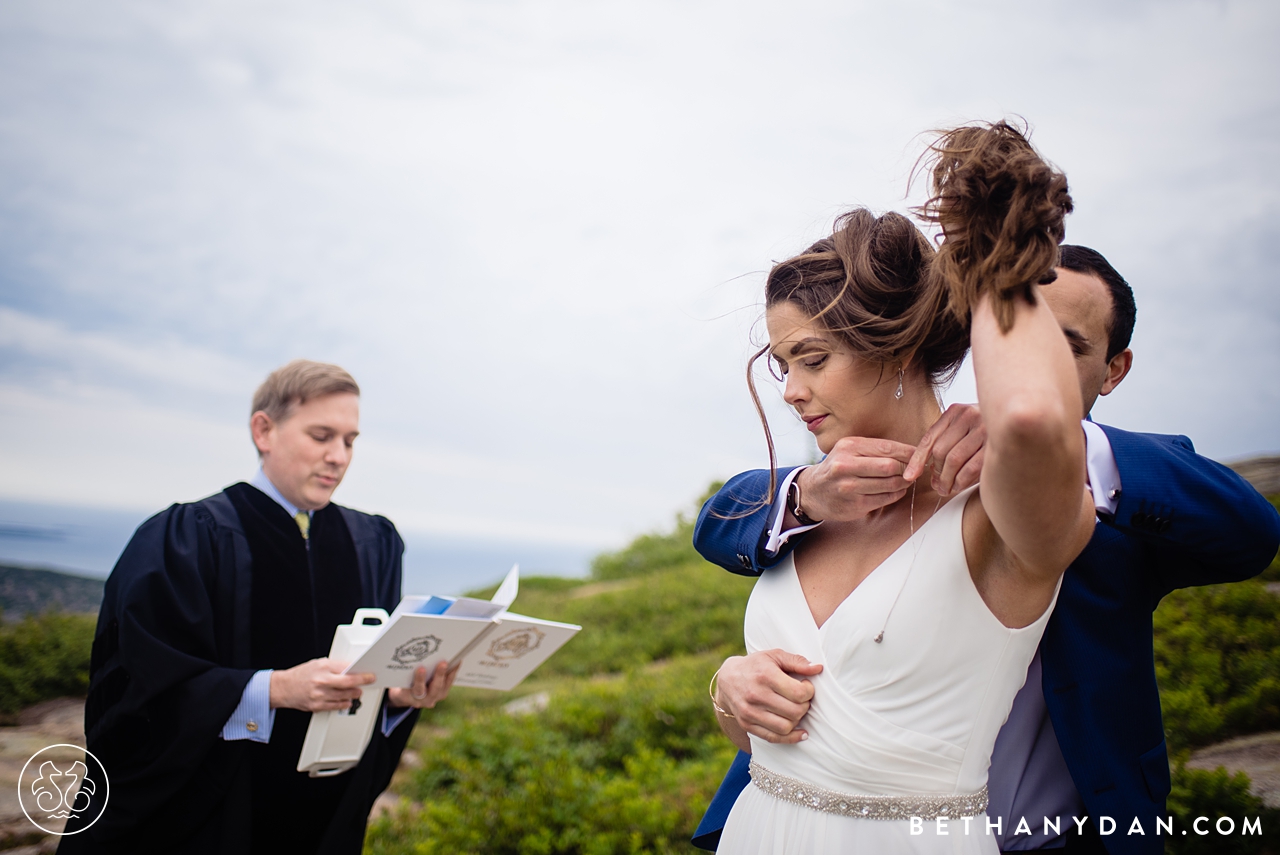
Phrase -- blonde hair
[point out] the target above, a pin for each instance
(299, 382)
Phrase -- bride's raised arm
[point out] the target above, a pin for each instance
(1001, 208)
(1032, 486)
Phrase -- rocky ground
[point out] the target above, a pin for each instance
(42, 725)
(1263, 472)
(1257, 755)
(62, 721)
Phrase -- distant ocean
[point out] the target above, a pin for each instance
(87, 541)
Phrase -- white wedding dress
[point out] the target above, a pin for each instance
(912, 718)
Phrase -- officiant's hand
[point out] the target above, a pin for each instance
(316, 685)
(767, 693)
(423, 692)
(953, 448)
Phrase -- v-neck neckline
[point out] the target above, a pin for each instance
(804, 599)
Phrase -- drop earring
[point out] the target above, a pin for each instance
(898, 393)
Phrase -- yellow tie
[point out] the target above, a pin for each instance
(303, 519)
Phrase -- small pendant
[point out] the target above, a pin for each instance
(879, 638)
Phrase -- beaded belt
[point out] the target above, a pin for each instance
(868, 807)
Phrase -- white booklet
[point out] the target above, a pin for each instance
(491, 647)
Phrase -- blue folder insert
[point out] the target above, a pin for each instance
(434, 606)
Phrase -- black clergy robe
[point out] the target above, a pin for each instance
(205, 595)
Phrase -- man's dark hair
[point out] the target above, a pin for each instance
(1124, 311)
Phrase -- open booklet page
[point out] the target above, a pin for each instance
(510, 651)
(494, 648)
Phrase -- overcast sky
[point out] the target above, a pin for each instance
(536, 232)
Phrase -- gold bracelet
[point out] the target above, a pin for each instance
(711, 690)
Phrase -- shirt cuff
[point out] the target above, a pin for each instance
(1104, 475)
(391, 720)
(253, 717)
(777, 537)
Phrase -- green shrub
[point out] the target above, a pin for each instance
(691, 608)
(627, 755)
(621, 765)
(1272, 573)
(655, 551)
(688, 609)
(1217, 654)
(647, 553)
(1201, 793)
(44, 656)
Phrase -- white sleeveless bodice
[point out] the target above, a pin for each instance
(915, 714)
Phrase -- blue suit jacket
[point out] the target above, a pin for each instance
(1182, 520)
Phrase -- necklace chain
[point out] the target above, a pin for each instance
(911, 517)
(911, 522)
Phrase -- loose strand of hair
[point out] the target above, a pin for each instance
(764, 423)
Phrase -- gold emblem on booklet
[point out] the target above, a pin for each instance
(516, 643)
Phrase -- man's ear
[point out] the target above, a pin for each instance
(1117, 370)
(261, 427)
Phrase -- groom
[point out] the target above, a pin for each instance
(1085, 735)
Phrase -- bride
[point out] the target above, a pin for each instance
(926, 614)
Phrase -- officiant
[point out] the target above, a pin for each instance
(209, 653)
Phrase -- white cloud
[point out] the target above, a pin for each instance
(91, 446)
(163, 363)
(535, 231)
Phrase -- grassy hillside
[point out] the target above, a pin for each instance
(1218, 662)
(46, 633)
(41, 657)
(31, 590)
(1272, 573)
(626, 755)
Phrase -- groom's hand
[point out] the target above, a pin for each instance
(764, 696)
(953, 448)
(860, 475)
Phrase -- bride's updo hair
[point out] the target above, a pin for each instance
(1002, 209)
(869, 285)
(877, 285)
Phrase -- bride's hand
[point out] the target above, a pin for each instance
(764, 696)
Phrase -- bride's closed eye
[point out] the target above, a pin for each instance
(779, 368)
